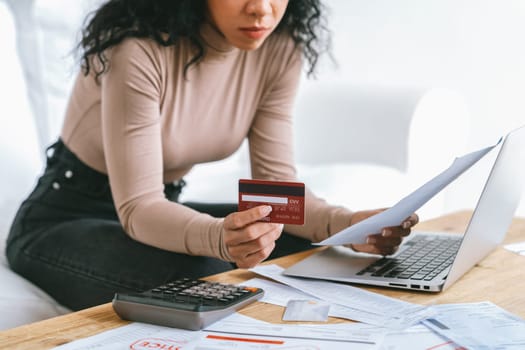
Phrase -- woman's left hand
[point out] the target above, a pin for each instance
(387, 242)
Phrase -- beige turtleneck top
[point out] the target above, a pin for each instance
(147, 124)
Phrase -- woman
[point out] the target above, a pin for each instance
(165, 85)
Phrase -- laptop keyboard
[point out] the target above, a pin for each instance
(424, 258)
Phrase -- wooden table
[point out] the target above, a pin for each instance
(499, 278)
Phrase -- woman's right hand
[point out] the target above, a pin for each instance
(248, 240)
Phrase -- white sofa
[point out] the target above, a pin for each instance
(359, 146)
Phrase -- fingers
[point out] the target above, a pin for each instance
(388, 241)
(411, 221)
(250, 253)
(378, 244)
(374, 249)
(270, 233)
(382, 241)
(248, 240)
(252, 260)
(396, 231)
(243, 218)
(402, 230)
(246, 224)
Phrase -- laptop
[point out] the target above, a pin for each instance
(432, 262)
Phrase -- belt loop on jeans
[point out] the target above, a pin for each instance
(179, 184)
(52, 150)
(173, 190)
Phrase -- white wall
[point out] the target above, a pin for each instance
(19, 159)
(476, 47)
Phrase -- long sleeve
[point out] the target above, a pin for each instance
(132, 143)
(272, 156)
(149, 121)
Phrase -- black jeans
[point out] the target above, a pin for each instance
(66, 238)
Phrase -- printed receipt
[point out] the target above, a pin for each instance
(478, 326)
(395, 215)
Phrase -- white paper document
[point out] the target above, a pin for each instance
(246, 334)
(352, 302)
(355, 335)
(479, 326)
(280, 294)
(306, 310)
(417, 337)
(276, 293)
(518, 248)
(396, 214)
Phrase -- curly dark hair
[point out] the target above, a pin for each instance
(119, 19)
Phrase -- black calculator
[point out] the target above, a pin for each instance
(185, 303)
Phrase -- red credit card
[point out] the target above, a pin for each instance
(286, 199)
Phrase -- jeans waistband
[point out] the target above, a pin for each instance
(59, 153)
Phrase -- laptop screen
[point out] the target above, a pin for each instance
(496, 206)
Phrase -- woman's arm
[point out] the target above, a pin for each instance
(132, 141)
(271, 153)
(271, 146)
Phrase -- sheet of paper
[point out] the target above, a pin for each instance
(396, 214)
(478, 326)
(518, 248)
(280, 294)
(248, 334)
(365, 306)
(353, 334)
(134, 336)
(276, 293)
(425, 339)
(306, 310)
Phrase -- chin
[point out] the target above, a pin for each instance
(247, 45)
